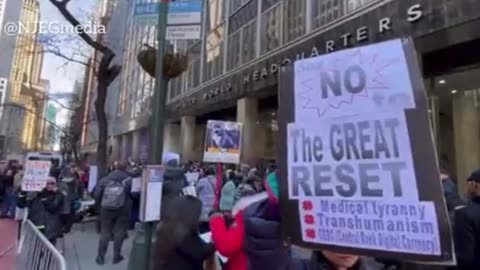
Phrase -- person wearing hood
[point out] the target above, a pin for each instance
(206, 193)
(113, 195)
(228, 239)
(174, 181)
(72, 189)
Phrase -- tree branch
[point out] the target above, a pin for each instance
(61, 5)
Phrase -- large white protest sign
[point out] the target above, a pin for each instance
(35, 176)
(359, 167)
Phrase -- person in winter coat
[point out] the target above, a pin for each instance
(7, 180)
(179, 246)
(227, 194)
(466, 229)
(173, 183)
(228, 238)
(113, 195)
(206, 193)
(72, 189)
(45, 211)
(329, 260)
(263, 241)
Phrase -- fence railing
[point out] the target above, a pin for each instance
(36, 252)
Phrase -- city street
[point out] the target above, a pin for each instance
(81, 250)
(8, 234)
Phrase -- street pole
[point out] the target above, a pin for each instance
(158, 117)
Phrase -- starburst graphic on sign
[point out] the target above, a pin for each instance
(373, 65)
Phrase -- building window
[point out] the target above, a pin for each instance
(233, 56)
(272, 28)
(214, 53)
(294, 18)
(248, 43)
(353, 5)
(236, 4)
(326, 11)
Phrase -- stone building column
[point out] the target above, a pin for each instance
(248, 115)
(116, 151)
(123, 152)
(172, 136)
(187, 138)
(466, 126)
(136, 145)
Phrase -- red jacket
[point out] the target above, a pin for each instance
(229, 241)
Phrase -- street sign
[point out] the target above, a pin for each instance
(189, 12)
(184, 18)
(183, 32)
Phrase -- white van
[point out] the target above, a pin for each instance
(46, 156)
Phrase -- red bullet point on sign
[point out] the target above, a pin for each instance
(309, 219)
(310, 233)
(307, 205)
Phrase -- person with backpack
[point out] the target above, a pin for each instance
(72, 189)
(113, 196)
(206, 193)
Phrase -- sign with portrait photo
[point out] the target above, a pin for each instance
(359, 171)
(223, 142)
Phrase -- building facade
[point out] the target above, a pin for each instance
(234, 69)
(9, 12)
(25, 91)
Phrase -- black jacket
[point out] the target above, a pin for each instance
(190, 255)
(115, 176)
(173, 183)
(45, 212)
(263, 241)
(467, 235)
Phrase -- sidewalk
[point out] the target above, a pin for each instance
(81, 250)
(8, 238)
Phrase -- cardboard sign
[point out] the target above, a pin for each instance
(359, 169)
(223, 142)
(35, 176)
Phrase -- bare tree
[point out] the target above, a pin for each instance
(106, 72)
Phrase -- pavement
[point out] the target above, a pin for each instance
(81, 249)
(8, 238)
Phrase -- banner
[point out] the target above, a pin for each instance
(35, 176)
(359, 167)
(223, 142)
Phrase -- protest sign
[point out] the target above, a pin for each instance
(223, 142)
(359, 167)
(35, 176)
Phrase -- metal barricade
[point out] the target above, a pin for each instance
(36, 252)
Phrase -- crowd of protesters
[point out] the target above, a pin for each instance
(242, 215)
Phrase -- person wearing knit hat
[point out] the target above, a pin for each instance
(466, 227)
